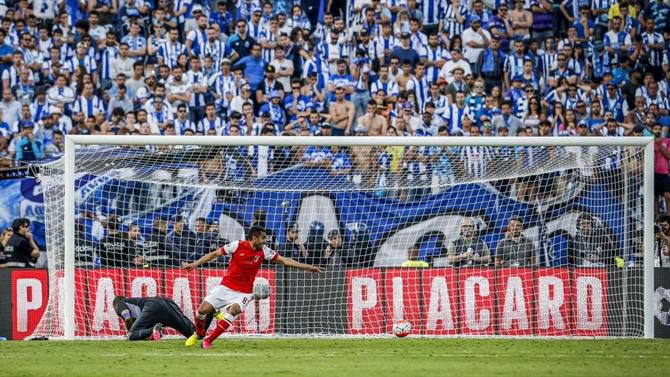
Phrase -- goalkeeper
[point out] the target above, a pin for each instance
(145, 318)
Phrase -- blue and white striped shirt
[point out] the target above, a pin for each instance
(107, 56)
(451, 25)
(169, 53)
(421, 89)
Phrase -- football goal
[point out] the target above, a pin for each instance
(459, 236)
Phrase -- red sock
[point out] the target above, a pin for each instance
(200, 329)
(220, 328)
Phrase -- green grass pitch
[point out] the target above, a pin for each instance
(338, 357)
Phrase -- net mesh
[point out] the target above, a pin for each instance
(474, 240)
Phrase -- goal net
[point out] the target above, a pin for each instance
(458, 236)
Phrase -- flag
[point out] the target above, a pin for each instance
(322, 10)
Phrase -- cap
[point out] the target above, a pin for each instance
(55, 110)
(27, 124)
(275, 94)
(177, 218)
(340, 85)
(257, 10)
(333, 233)
(294, 226)
(45, 115)
(196, 8)
(455, 50)
(582, 124)
(325, 125)
(404, 35)
(475, 18)
(225, 61)
(364, 32)
(518, 78)
(270, 68)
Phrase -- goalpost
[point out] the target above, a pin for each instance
(461, 236)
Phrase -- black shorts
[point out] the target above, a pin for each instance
(337, 131)
(661, 184)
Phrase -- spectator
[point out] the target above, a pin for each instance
(21, 249)
(115, 249)
(215, 233)
(515, 250)
(468, 250)
(475, 39)
(341, 113)
(662, 241)
(507, 119)
(335, 252)
(157, 250)
(85, 249)
(293, 248)
(413, 258)
(26, 147)
(181, 240)
(4, 242)
(204, 242)
(592, 246)
(315, 242)
(10, 108)
(661, 171)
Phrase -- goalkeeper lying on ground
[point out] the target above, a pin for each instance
(144, 318)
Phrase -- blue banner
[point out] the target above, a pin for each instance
(23, 198)
(305, 196)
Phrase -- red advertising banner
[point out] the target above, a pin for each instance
(144, 282)
(441, 315)
(185, 289)
(30, 297)
(364, 298)
(514, 290)
(590, 303)
(102, 286)
(402, 297)
(477, 293)
(553, 300)
(439, 301)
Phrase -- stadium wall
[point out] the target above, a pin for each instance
(445, 301)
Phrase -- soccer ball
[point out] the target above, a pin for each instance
(402, 328)
(261, 289)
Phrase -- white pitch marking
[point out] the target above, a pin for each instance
(333, 354)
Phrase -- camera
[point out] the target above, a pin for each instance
(657, 228)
